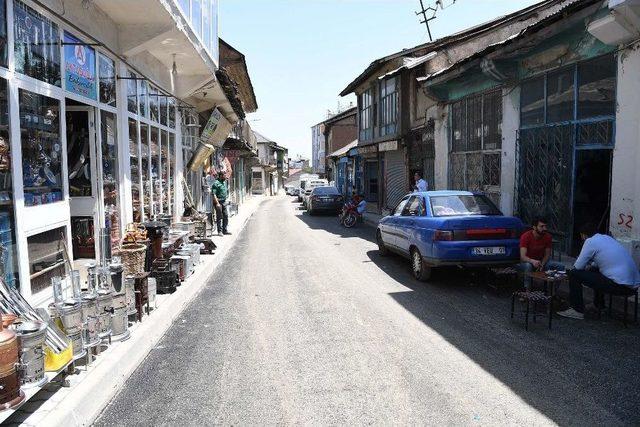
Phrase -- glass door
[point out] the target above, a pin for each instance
(81, 165)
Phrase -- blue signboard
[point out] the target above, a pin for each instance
(80, 67)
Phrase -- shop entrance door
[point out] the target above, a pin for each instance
(83, 185)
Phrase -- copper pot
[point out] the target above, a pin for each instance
(8, 319)
(10, 393)
(8, 352)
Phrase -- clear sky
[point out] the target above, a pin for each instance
(302, 53)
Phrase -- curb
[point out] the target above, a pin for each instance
(86, 401)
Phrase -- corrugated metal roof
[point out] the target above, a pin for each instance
(344, 150)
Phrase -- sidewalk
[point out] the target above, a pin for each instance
(91, 388)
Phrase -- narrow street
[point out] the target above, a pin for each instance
(304, 323)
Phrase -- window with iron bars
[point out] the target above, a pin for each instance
(476, 140)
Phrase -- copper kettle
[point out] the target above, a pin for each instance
(10, 394)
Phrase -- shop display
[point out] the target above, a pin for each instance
(130, 295)
(83, 242)
(36, 44)
(142, 293)
(107, 75)
(147, 195)
(110, 181)
(134, 164)
(46, 258)
(135, 232)
(79, 154)
(31, 337)
(41, 148)
(90, 319)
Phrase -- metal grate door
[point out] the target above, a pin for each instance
(395, 177)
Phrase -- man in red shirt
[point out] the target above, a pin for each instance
(535, 250)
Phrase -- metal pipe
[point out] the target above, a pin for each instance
(105, 246)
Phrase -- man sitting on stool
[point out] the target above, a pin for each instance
(535, 250)
(603, 265)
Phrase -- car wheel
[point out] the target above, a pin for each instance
(420, 271)
(382, 249)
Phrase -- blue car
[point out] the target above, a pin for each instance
(449, 228)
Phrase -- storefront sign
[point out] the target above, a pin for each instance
(217, 129)
(388, 146)
(368, 149)
(80, 67)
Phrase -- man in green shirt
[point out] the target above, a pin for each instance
(219, 192)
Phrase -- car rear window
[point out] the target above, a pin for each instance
(462, 205)
(325, 191)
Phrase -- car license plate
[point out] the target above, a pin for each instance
(496, 250)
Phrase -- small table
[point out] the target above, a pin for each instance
(550, 282)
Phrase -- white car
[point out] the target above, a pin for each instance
(304, 179)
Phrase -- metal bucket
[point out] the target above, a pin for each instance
(31, 336)
(105, 309)
(152, 287)
(130, 294)
(78, 346)
(90, 320)
(120, 318)
(90, 336)
(69, 315)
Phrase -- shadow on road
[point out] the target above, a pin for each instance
(580, 372)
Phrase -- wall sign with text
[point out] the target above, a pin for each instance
(80, 67)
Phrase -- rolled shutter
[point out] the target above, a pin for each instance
(396, 177)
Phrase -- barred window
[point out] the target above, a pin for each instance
(476, 122)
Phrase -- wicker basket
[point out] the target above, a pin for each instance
(133, 257)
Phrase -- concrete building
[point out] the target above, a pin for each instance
(339, 131)
(268, 176)
(318, 153)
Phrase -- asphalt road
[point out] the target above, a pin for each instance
(306, 324)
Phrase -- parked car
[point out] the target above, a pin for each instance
(304, 179)
(310, 185)
(291, 189)
(325, 199)
(440, 228)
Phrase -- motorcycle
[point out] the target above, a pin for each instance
(349, 215)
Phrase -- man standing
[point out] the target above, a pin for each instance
(219, 192)
(535, 250)
(604, 265)
(421, 184)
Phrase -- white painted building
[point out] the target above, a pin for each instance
(98, 98)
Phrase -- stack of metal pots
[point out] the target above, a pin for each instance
(68, 315)
(31, 340)
(10, 393)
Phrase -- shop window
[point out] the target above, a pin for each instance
(107, 72)
(532, 102)
(46, 258)
(154, 147)
(153, 104)
(132, 93)
(172, 171)
(142, 94)
(41, 148)
(8, 259)
(147, 189)
(184, 5)
(36, 45)
(134, 163)
(560, 95)
(83, 240)
(597, 87)
(163, 109)
(3, 34)
(79, 154)
(206, 25)
(196, 16)
(172, 112)
(110, 182)
(164, 169)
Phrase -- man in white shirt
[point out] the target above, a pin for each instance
(421, 184)
(604, 265)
